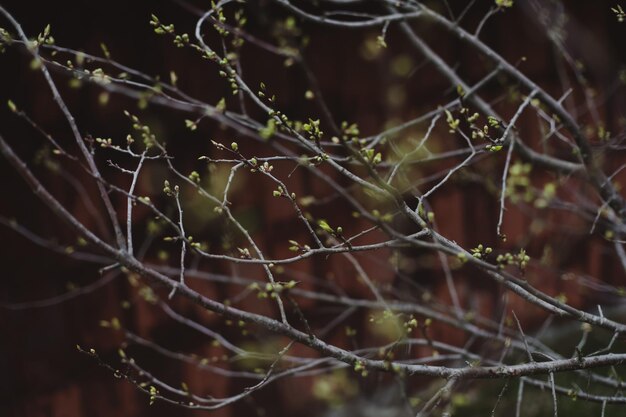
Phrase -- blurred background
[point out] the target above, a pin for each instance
(49, 303)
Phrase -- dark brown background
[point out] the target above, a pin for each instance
(41, 374)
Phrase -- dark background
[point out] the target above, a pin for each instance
(42, 373)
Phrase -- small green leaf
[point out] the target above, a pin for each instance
(323, 224)
(504, 3)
